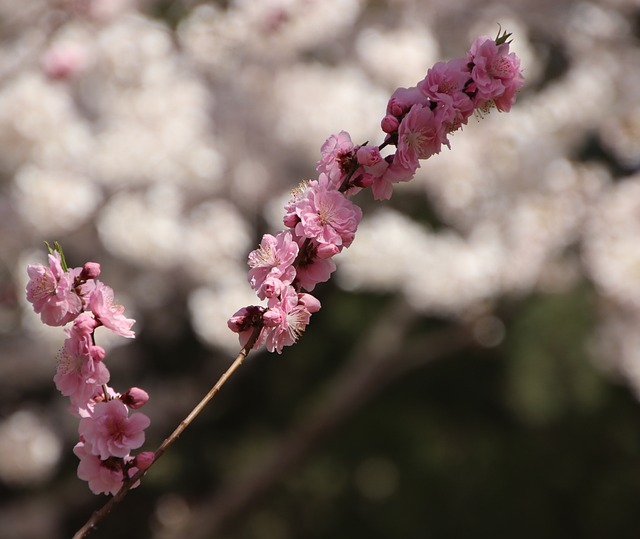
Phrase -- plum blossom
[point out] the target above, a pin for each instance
(103, 476)
(285, 320)
(419, 137)
(445, 79)
(106, 476)
(372, 163)
(110, 315)
(327, 215)
(80, 367)
(272, 264)
(63, 61)
(315, 270)
(111, 432)
(107, 432)
(52, 292)
(382, 187)
(496, 72)
(445, 85)
(337, 157)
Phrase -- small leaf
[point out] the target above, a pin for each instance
(58, 248)
(502, 39)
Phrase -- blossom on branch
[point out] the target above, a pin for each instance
(52, 292)
(111, 432)
(321, 217)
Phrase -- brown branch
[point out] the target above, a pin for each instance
(373, 366)
(101, 513)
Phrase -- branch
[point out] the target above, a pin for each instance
(128, 484)
(374, 365)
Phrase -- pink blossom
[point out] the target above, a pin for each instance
(80, 367)
(337, 157)
(314, 270)
(63, 61)
(327, 215)
(419, 137)
(111, 432)
(290, 218)
(272, 264)
(382, 188)
(496, 73)
(101, 393)
(373, 166)
(104, 476)
(445, 78)
(52, 292)
(444, 85)
(285, 320)
(110, 315)
(369, 157)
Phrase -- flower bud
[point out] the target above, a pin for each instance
(144, 460)
(311, 303)
(245, 318)
(91, 270)
(290, 220)
(327, 250)
(389, 124)
(135, 397)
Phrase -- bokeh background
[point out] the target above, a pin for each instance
(475, 369)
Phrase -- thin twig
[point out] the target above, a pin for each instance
(386, 353)
(98, 515)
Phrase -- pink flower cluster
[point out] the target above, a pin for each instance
(321, 219)
(108, 432)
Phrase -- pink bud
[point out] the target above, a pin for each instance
(144, 460)
(290, 220)
(135, 397)
(389, 124)
(91, 270)
(327, 250)
(368, 155)
(311, 303)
